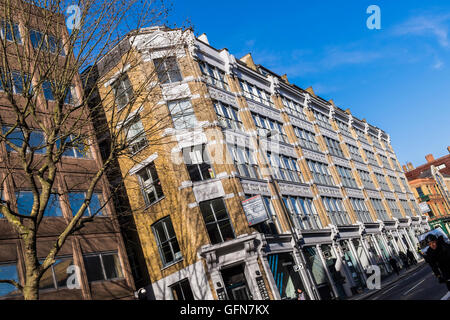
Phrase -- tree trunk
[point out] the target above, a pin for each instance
(31, 289)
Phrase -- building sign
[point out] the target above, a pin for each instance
(424, 207)
(255, 210)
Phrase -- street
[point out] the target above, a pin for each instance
(420, 285)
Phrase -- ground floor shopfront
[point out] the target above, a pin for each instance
(443, 223)
(326, 264)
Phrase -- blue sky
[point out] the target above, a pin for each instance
(398, 78)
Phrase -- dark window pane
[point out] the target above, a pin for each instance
(8, 272)
(47, 88)
(53, 208)
(112, 266)
(60, 269)
(226, 230)
(24, 202)
(93, 268)
(47, 281)
(214, 234)
(95, 204)
(76, 200)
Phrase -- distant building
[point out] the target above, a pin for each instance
(430, 183)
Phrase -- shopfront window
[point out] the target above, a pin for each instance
(352, 265)
(236, 283)
(318, 272)
(286, 279)
(331, 261)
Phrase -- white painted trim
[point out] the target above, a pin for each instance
(144, 163)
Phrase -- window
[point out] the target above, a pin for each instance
(405, 185)
(376, 142)
(307, 139)
(293, 108)
(320, 172)
(76, 200)
(15, 81)
(168, 70)
(394, 182)
(75, 147)
(36, 141)
(344, 128)
(285, 168)
(244, 160)
(406, 208)
(267, 124)
(123, 91)
(322, 120)
(396, 166)
(217, 221)
(360, 208)
(150, 184)
(420, 192)
(102, 266)
(336, 211)
(347, 177)
(382, 182)
(25, 204)
(198, 163)
(10, 34)
(394, 208)
(182, 291)
(43, 42)
(371, 157)
(254, 93)
(354, 153)
(56, 276)
(380, 209)
(303, 212)
(361, 135)
(135, 134)
(183, 115)
(385, 162)
(267, 227)
(167, 242)
(214, 76)
(334, 147)
(8, 272)
(366, 180)
(228, 116)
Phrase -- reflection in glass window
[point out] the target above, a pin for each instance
(102, 266)
(76, 200)
(56, 276)
(25, 202)
(8, 272)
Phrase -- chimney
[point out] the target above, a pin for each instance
(410, 166)
(429, 158)
(405, 168)
(448, 149)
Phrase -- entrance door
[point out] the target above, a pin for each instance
(235, 283)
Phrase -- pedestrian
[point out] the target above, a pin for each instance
(394, 265)
(300, 295)
(404, 259)
(411, 257)
(438, 256)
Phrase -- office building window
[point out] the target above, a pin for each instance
(344, 128)
(8, 271)
(214, 76)
(245, 161)
(361, 135)
(323, 120)
(336, 211)
(268, 125)
(406, 208)
(228, 116)
(307, 139)
(56, 276)
(285, 168)
(334, 147)
(168, 70)
(394, 182)
(123, 91)
(360, 208)
(167, 242)
(10, 31)
(25, 202)
(135, 133)
(183, 115)
(366, 179)
(385, 161)
(198, 163)
(102, 266)
(380, 209)
(95, 207)
(394, 208)
(293, 108)
(150, 184)
(35, 144)
(320, 172)
(354, 153)
(182, 291)
(347, 177)
(382, 181)
(217, 221)
(256, 94)
(43, 42)
(75, 147)
(371, 157)
(303, 212)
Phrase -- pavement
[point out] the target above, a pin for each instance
(416, 283)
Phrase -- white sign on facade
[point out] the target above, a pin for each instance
(255, 210)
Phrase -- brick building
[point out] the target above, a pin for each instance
(335, 198)
(97, 249)
(430, 183)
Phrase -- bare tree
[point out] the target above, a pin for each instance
(46, 115)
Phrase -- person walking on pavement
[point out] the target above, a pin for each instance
(438, 256)
(411, 257)
(394, 265)
(404, 259)
(300, 295)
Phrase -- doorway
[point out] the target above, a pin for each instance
(236, 283)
